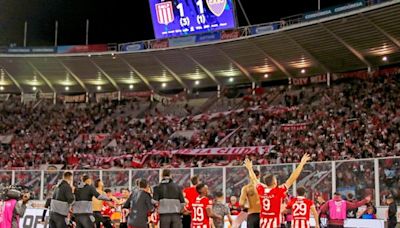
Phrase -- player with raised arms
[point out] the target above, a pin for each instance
(301, 208)
(271, 195)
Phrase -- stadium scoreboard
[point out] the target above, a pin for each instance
(184, 17)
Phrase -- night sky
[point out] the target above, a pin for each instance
(114, 21)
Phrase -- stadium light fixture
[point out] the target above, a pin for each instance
(164, 85)
(197, 82)
(66, 88)
(1, 88)
(34, 88)
(98, 88)
(303, 71)
(266, 75)
(231, 79)
(384, 58)
(130, 86)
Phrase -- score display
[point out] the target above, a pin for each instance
(184, 17)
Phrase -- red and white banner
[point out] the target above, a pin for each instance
(169, 99)
(272, 109)
(230, 34)
(130, 95)
(225, 151)
(361, 74)
(310, 80)
(139, 159)
(294, 127)
(275, 110)
(159, 44)
(106, 96)
(74, 99)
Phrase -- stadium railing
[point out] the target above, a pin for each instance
(376, 177)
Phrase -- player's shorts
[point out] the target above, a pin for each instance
(300, 223)
(270, 223)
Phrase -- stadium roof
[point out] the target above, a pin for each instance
(355, 40)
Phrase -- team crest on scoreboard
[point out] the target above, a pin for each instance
(217, 7)
(165, 13)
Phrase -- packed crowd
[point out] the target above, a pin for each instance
(351, 119)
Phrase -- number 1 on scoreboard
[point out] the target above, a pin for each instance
(199, 3)
(180, 8)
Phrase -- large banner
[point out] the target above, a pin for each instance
(253, 150)
(82, 48)
(140, 159)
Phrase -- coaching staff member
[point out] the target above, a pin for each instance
(61, 201)
(171, 201)
(83, 207)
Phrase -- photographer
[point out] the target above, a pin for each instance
(61, 201)
(12, 210)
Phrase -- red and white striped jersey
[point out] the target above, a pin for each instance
(301, 208)
(199, 214)
(270, 222)
(300, 223)
(271, 200)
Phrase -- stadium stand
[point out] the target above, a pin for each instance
(353, 118)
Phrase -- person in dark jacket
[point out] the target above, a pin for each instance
(61, 201)
(171, 201)
(392, 211)
(83, 208)
(49, 195)
(140, 205)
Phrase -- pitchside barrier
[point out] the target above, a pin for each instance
(375, 177)
(33, 217)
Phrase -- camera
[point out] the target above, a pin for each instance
(16, 192)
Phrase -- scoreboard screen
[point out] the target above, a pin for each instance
(184, 17)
